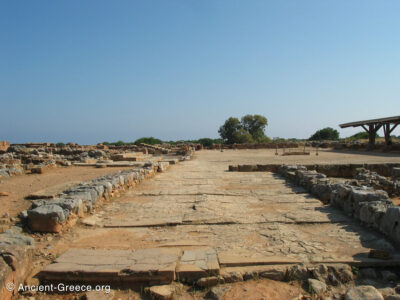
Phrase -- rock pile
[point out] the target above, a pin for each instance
(373, 179)
(36, 158)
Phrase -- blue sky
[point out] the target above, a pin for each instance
(91, 71)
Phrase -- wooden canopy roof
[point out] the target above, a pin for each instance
(392, 120)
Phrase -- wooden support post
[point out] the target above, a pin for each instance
(372, 130)
(387, 130)
(372, 133)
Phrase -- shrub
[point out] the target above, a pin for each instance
(327, 133)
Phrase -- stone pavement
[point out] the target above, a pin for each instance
(212, 219)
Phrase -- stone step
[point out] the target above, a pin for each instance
(122, 267)
(114, 267)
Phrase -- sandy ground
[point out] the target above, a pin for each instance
(18, 187)
(267, 156)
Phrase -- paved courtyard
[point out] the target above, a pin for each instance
(220, 219)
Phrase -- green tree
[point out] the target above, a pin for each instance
(206, 142)
(242, 136)
(327, 133)
(361, 135)
(119, 143)
(255, 125)
(229, 130)
(148, 140)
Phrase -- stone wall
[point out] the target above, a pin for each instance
(373, 208)
(52, 215)
(331, 170)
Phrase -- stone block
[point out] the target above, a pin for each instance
(46, 218)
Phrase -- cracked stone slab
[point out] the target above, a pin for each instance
(144, 222)
(113, 266)
(197, 263)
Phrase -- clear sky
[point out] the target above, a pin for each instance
(91, 71)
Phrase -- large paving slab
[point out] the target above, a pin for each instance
(113, 266)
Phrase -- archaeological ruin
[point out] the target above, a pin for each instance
(167, 221)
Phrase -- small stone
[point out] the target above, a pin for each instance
(363, 292)
(161, 292)
(273, 274)
(232, 277)
(217, 292)
(3, 194)
(317, 286)
(206, 282)
(321, 273)
(387, 291)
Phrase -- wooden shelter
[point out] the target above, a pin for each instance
(372, 127)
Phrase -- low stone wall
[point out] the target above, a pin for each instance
(331, 170)
(373, 208)
(52, 215)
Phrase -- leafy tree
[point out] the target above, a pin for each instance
(255, 125)
(361, 135)
(248, 130)
(327, 133)
(60, 144)
(148, 140)
(106, 143)
(242, 136)
(206, 142)
(119, 143)
(229, 129)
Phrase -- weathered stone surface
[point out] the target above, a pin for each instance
(46, 218)
(161, 292)
(16, 252)
(317, 286)
(230, 277)
(207, 282)
(390, 223)
(198, 263)
(217, 292)
(363, 292)
(116, 266)
(162, 166)
(321, 273)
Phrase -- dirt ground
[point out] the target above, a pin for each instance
(325, 156)
(249, 290)
(18, 187)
